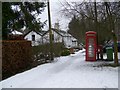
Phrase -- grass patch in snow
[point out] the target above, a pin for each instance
(112, 65)
(107, 65)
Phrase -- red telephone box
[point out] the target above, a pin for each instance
(91, 46)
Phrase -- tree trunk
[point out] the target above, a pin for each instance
(96, 28)
(112, 27)
(115, 50)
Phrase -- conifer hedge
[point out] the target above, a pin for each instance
(16, 57)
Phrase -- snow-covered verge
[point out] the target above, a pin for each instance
(66, 72)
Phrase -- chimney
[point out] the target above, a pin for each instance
(57, 26)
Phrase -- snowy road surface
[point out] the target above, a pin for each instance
(66, 72)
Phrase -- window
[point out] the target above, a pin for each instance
(33, 37)
(91, 47)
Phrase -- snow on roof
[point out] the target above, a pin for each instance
(38, 32)
(74, 39)
(16, 32)
(63, 33)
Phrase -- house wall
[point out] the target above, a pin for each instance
(67, 42)
(46, 36)
(57, 37)
(70, 42)
(74, 42)
(38, 38)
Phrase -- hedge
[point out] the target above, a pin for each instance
(16, 57)
(45, 49)
(65, 52)
(42, 52)
(16, 37)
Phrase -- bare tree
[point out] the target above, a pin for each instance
(102, 17)
(112, 28)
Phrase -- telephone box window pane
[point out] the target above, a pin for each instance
(33, 37)
(91, 47)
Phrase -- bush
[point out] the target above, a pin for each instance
(45, 49)
(41, 53)
(16, 57)
(65, 53)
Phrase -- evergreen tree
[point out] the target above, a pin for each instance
(16, 15)
(74, 28)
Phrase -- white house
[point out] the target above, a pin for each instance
(69, 40)
(42, 37)
(61, 36)
(35, 37)
(57, 37)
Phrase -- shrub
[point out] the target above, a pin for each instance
(65, 53)
(41, 53)
(45, 49)
(16, 57)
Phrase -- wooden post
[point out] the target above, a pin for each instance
(50, 32)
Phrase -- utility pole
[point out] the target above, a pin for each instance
(50, 32)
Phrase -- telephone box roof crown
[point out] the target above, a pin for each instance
(91, 32)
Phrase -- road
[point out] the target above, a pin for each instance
(66, 72)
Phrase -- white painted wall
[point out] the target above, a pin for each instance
(38, 38)
(74, 42)
(46, 36)
(68, 41)
(57, 37)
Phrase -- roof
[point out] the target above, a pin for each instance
(91, 32)
(38, 32)
(62, 33)
(16, 32)
(42, 33)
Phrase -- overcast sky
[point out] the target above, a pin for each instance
(56, 16)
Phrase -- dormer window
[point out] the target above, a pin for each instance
(33, 37)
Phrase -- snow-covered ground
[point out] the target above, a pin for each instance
(66, 72)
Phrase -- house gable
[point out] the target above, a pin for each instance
(62, 36)
(29, 35)
(57, 37)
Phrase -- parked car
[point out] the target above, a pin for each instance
(111, 45)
